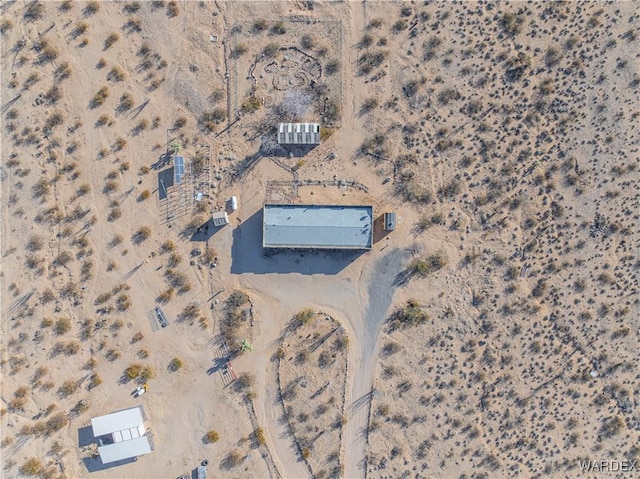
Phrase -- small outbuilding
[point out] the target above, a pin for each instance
(121, 435)
(220, 218)
(299, 134)
(389, 221)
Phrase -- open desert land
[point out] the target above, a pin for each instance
(494, 333)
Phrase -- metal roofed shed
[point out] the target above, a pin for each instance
(389, 221)
(299, 133)
(124, 450)
(128, 435)
(317, 227)
(220, 218)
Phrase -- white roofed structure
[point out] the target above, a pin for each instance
(293, 226)
(127, 431)
(124, 450)
(220, 218)
(299, 133)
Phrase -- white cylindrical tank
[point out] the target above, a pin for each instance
(234, 203)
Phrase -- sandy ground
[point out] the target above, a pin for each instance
(507, 136)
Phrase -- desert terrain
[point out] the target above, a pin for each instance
(494, 333)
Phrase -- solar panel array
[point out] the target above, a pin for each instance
(178, 169)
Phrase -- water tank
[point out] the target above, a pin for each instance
(234, 203)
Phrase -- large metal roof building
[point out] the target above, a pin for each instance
(299, 133)
(127, 432)
(317, 226)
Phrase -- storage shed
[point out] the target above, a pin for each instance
(220, 218)
(299, 133)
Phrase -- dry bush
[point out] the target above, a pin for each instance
(67, 389)
(209, 120)
(123, 303)
(41, 189)
(175, 364)
(116, 74)
(172, 9)
(62, 326)
(141, 235)
(133, 371)
(411, 315)
(167, 246)
(126, 103)
(100, 97)
(32, 467)
(111, 40)
(211, 437)
(91, 8)
(34, 11)
(5, 25)
(94, 381)
(57, 422)
(303, 317)
(35, 243)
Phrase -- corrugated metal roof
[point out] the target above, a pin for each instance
(124, 449)
(317, 226)
(117, 421)
(299, 133)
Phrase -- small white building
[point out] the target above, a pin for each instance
(127, 432)
(299, 133)
(220, 218)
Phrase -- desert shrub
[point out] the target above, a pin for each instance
(137, 337)
(432, 263)
(126, 102)
(141, 235)
(307, 42)
(35, 243)
(239, 50)
(34, 11)
(259, 436)
(91, 8)
(211, 437)
(5, 25)
(370, 60)
(411, 314)
(270, 50)
(259, 25)
(278, 28)
(172, 9)
(303, 317)
(400, 25)
(32, 467)
(116, 74)
(167, 246)
(71, 348)
(133, 371)
(175, 364)
(209, 120)
(57, 422)
(62, 326)
(368, 105)
(68, 388)
(237, 299)
(250, 104)
(111, 40)
(100, 97)
(147, 373)
(41, 188)
(511, 23)
(123, 303)
(332, 67)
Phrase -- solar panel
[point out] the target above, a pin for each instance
(178, 169)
